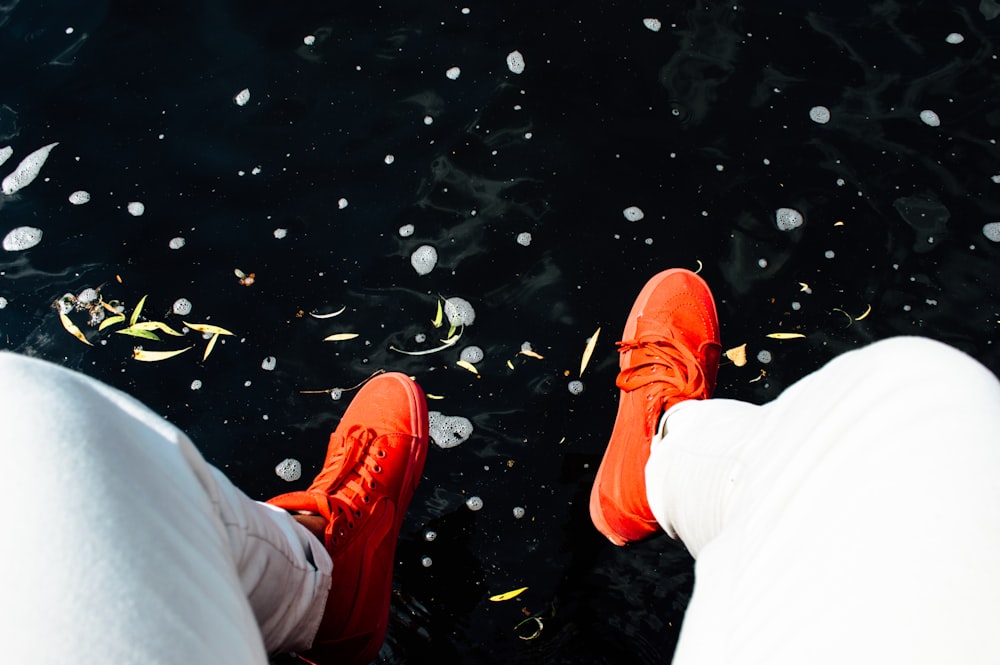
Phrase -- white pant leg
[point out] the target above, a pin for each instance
(122, 545)
(854, 519)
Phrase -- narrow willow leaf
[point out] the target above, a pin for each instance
(73, 330)
(207, 328)
(156, 356)
(156, 325)
(538, 630)
(138, 332)
(587, 352)
(700, 266)
(510, 364)
(867, 312)
(738, 354)
(110, 321)
(531, 354)
(465, 364)
(439, 317)
(239, 273)
(135, 312)
(210, 346)
(507, 596)
(446, 344)
(451, 331)
(340, 337)
(330, 315)
(430, 396)
(780, 335)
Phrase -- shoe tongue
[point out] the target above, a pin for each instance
(656, 358)
(347, 452)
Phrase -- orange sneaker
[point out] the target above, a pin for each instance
(669, 353)
(373, 464)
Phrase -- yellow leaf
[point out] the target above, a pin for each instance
(507, 596)
(138, 332)
(464, 364)
(207, 328)
(73, 330)
(154, 356)
(340, 337)
(110, 321)
(531, 354)
(738, 354)
(510, 364)
(239, 273)
(211, 345)
(156, 325)
(587, 352)
(786, 335)
(700, 266)
(330, 315)
(803, 287)
(439, 317)
(135, 312)
(867, 312)
(430, 396)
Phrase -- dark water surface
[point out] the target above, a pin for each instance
(703, 125)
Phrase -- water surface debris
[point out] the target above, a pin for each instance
(589, 350)
(27, 170)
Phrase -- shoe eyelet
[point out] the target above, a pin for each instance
(367, 499)
(377, 469)
(380, 453)
(371, 484)
(350, 525)
(357, 513)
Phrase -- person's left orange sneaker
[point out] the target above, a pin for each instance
(670, 352)
(373, 464)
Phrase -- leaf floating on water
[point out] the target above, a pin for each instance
(138, 332)
(700, 266)
(866, 313)
(510, 364)
(73, 330)
(780, 335)
(507, 596)
(430, 396)
(738, 354)
(464, 364)
(587, 352)
(111, 320)
(850, 319)
(759, 377)
(535, 634)
(445, 344)
(531, 354)
(135, 312)
(803, 287)
(156, 356)
(156, 325)
(439, 317)
(340, 337)
(211, 345)
(207, 328)
(329, 315)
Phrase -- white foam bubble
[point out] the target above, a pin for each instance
(524, 238)
(930, 118)
(21, 238)
(633, 213)
(819, 114)
(428, 120)
(518, 512)
(653, 24)
(3, 302)
(281, 234)
(515, 62)
(575, 387)
(27, 170)
(5, 153)
(289, 469)
(448, 431)
(453, 73)
(87, 296)
(406, 230)
(389, 159)
(459, 312)
(269, 363)
(176, 243)
(423, 259)
(242, 97)
(342, 203)
(474, 503)
(80, 197)
(136, 208)
(309, 40)
(764, 356)
(426, 561)
(196, 384)
(992, 231)
(182, 307)
(430, 535)
(471, 354)
(788, 219)
(955, 38)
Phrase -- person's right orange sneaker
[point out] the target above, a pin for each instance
(373, 464)
(669, 353)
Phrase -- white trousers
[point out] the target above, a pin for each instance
(122, 545)
(854, 519)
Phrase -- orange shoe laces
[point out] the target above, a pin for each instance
(684, 370)
(350, 478)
